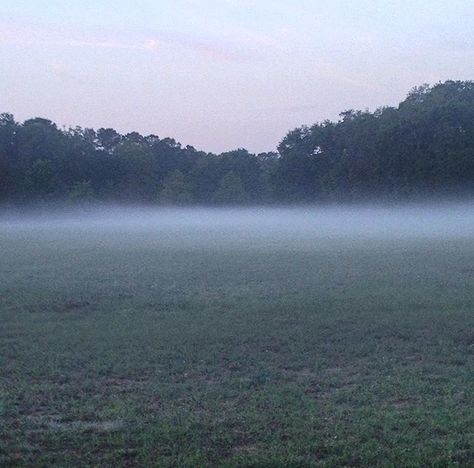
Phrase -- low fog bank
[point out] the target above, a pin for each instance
(435, 220)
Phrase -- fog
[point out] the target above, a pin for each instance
(247, 226)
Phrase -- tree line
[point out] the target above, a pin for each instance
(422, 147)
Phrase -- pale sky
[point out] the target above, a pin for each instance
(222, 74)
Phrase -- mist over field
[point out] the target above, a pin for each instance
(249, 226)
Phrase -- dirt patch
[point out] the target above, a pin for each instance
(245, 449)
(301, 374)
(155, 404)
(56, 422)
(404, 403)
(95, 426)
(121, 383)
(466, 339)
(63, 306)
(76, 305)
(196, 376)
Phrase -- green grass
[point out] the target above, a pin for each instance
(140, 350)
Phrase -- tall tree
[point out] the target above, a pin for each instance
(175, 190)
(231, 190)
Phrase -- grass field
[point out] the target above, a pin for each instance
(182, 345)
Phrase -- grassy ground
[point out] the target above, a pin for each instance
(130, 349)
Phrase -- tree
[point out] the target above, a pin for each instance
(8, 129)
(423, 146)
(108, 139)
(81, 192)
(41, 180)
(175, 190)
(133, 178)
(230, 190)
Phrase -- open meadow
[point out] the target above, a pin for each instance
(251, 337)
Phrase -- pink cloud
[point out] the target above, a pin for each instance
(21, 33)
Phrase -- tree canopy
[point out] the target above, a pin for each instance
(423, 146)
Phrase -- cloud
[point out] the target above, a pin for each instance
(67, 73)
(214, 48)
(210, 47)
(28, 34)
(152, 44)
(59, 69)
(109, 44)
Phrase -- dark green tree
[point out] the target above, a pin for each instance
(422, 147)
(231, 190)
(175, 190)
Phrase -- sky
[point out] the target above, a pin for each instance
(224, 74)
